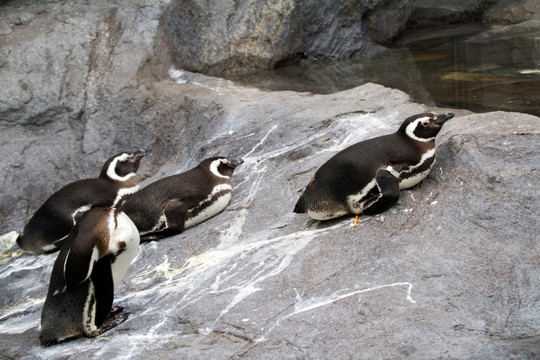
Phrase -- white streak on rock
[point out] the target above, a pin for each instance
(314, 303)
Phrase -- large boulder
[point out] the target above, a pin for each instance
(70, 94)
(242, 35)
(450, 271)
(344, 29)
(213, 37)
(435, 12)
(513, 12)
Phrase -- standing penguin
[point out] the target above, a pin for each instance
(93, 260)
(52, 222)
(172, 204)
(365, 178)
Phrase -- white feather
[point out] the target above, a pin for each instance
(89, 312)
(161, 224)
(123, 192)
(325, 215)
(111, 170)
(126, 233)
(412, 126)
(81, 209)
(214, 168)
(356, 202)
(413, 180)
(218, 205)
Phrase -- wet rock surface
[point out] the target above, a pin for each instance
(450, 271)
(433, 12)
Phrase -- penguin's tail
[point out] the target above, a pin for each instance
(48, 339)
(26, 244)
(300, 207)
(20, 241)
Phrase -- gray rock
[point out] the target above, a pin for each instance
(242, 35)
(69, 92)
(450, 271)
(434, 12)
(213, 37)
(342, 29)
(513, 12)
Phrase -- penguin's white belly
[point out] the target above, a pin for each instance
(124, 241)
(325, 215)
(416, 178)
(217, 205)
(413, 180)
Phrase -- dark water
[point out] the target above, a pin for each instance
(471, 67)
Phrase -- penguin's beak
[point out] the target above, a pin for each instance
(137, 155)
(235, 162)
(441, 119)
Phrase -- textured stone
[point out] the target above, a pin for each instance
(451, 270)
(512, 12)
(212, 37)
(70, 94)
(241, 35)
(435, 12)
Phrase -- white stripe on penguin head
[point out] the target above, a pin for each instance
(412, 126)
(214, 168)
(111, 170)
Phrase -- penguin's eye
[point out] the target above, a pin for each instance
(425, 123)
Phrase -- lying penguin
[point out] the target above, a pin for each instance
(52, 222)
(172, 204)
(92, 262)
(366, 178)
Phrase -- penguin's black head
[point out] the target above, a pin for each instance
(222, 166)
(122, 165)
(424, 127)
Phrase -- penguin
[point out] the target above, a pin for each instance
(51, 223)
(366, 178)
(91, 264)
(174, 203)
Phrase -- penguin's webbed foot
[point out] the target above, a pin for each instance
(151, 237)
(309, 222)
(116, 310)
(112, 321)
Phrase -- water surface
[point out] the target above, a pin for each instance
(473, 67)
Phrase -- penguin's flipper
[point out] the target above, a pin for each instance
(102, 280)
(59, 243)
(175, 212)
(81, 257)
(175, 215)
(388, 185)
(78, 267)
